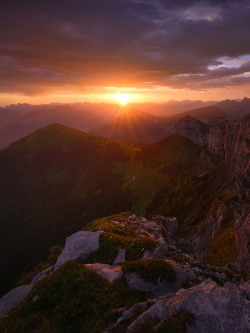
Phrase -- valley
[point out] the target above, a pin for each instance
(57, 179)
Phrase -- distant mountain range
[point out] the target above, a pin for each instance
(108, 121)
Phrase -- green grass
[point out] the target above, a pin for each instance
(175, 257)
(151, 269)
(120, 233)
(222, 248)
(73, 299)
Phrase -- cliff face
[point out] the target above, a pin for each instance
(191, 128)
(238, 155)
(228, 220)
(217, 137)
(239, 162)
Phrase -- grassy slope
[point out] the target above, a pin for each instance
(165, 163)
(52, 182)
(58, 178)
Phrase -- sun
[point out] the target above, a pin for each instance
(123, 98)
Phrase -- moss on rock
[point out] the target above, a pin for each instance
(151, 269)
(120, 233)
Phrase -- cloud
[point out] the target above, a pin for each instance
(49, 45)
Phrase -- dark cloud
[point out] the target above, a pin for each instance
(45, 45)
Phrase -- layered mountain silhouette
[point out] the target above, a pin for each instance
(136, 126)
(58, 178)
(17, 121)
(80, 116)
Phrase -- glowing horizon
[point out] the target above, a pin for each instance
(154, 51)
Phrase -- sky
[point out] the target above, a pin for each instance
(151, 50)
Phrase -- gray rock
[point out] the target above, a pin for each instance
(42, 275)
(14, 297)
(136, 282)
(152, 228)
(78, 247)
(159, 251)
(169, 225)
(120, 258)
(216, 309)
(106, 271)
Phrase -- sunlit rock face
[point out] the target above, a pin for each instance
(216, 309)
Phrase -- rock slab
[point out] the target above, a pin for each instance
(216, 309)
(78, 247)
(14, 297)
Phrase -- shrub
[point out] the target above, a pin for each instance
(151, 269)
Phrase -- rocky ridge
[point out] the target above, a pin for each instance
(183, 284)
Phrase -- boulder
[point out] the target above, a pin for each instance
(78, 247)
(14, 297)
(42, 275)
(106, 271)
(215, 309)
(120, 258)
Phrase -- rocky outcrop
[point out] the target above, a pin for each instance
(215, 309)
(78, 247)
(169, 226)
(108, 272)
(14, 297)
